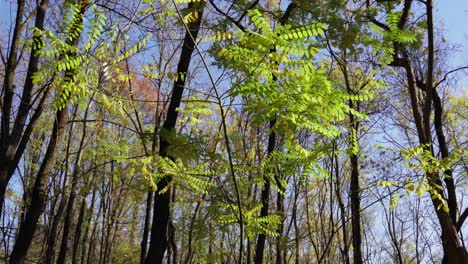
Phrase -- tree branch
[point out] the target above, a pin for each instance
(446, 75)
(462, 219)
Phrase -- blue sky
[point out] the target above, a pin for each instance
(454, 17)
(450, 15)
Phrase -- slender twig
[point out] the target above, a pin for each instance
(446, 75)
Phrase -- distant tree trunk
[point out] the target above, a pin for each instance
(296, 227)
(90, 257)
(39, 193)
(279, 240)
(78, 230)
(144, 240)
(341, 206)
(52, 236)
(161, 213)
(172, 238)
(74, 185)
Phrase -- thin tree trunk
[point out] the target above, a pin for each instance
(12, 145)
(74, 185)
(355, 200)
(144, 240)
(280, 211)
(78, 230)
(265, 197)
(342, 209)
(52, 236)
(89, 258)
(161, 213)
(172, 238)
(265, 194)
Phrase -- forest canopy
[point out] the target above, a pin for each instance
(207, 131)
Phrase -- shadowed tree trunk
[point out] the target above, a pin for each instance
(454, 252)
(78, 230)
(39, 193)
(161, 213)
(265, 198)
(265, 194)
(13, 145)
(71, 200)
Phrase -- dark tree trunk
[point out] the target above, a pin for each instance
(39, 193)
(279, 240)
(6, 146)
(342, 208)
(265, 197)
(52, 236)
(161, 214)
(12, 145)
(265, 194)
(71, 200)
(454, 252)
(355, 200)
(78, 230)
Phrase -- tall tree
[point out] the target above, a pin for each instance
(39, 193)
(13, 141)
(161, 208)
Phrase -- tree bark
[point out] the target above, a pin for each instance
(39, 193)
(74, 185)
(161, 214)
(13, 145)
(454, 252)
(78, 230)
(265, 197)
(355, 199)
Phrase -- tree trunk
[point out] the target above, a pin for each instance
(341, 206)
(355, 200)
(52, 236)
(39, 193)
(144, 240)
(74, 185)
(12, 145)
(260, 247)
(265, 197)
(78, 230)
(279, 240)
(161, 214)
(454, 252)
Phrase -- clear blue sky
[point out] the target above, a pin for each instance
(454, 17)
